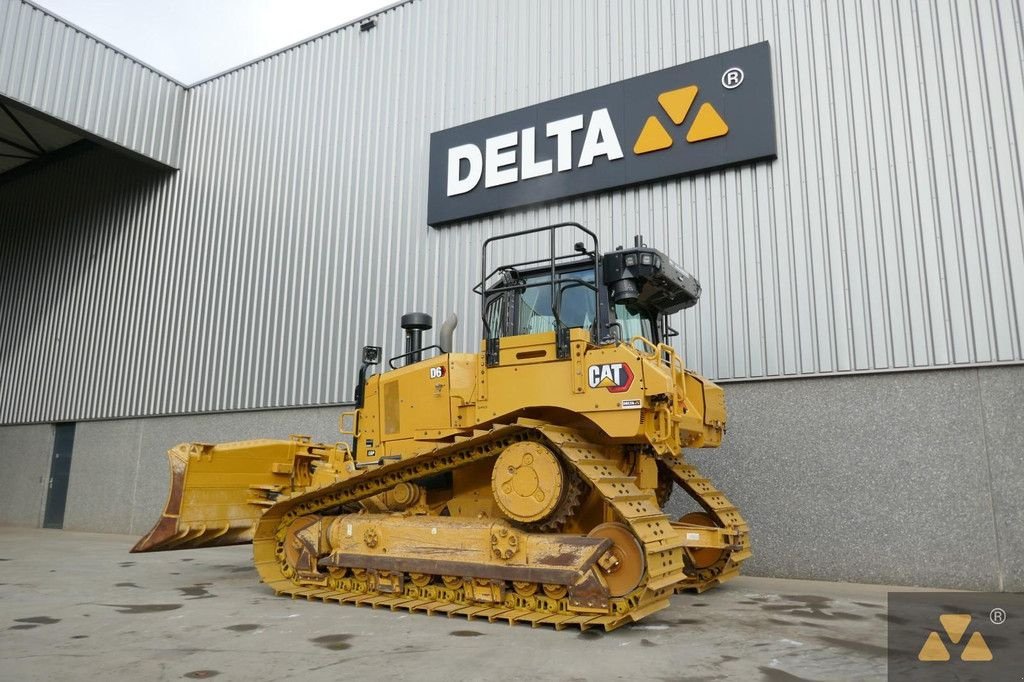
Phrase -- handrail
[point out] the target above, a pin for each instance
(667, 356)
(552, 259)
(653, 352)
(535, 261)
(392, 361)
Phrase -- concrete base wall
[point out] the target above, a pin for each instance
(25, 453)
(906, 479)
(901, 479)
(119, 476)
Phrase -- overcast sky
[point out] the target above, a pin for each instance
(193, 39)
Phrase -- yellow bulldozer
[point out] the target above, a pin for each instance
(526, 482)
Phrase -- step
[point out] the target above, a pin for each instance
(667, 580)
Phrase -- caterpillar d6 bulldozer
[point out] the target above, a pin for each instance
(525, 482)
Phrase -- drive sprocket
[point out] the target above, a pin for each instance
(533, 489)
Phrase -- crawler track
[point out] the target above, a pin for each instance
(662, 543)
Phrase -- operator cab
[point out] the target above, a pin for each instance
(636, 290)
(526, 306)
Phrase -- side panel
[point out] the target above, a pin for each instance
(415, 403)
(462, 373)
(605, 384)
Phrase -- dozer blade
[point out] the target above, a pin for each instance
(219, 492)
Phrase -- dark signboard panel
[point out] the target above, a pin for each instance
(698, 116)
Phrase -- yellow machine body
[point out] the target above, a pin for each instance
(526, 482)
(443, 396)
(591, 443)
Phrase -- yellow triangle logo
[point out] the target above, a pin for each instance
(933, 649)
(652, 138)
(676, 103)
(707, 125)
(605, 383)
(976, 649)
(955, 625)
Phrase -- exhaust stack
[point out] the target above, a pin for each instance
(447, 333)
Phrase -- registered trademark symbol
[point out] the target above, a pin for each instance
(732, 78)
(997, 616)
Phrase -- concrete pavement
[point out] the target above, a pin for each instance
(77, 605)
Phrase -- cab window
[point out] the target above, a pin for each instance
(527, 309)
(633, 323)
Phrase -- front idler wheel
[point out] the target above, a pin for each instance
(622, 566)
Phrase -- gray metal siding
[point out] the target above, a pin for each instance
(886, 236)
(57, 69)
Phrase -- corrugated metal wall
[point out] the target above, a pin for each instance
(58, 70)
(886, 236)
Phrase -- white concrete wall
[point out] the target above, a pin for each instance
(903, 479)
(119, 476)
(25, 453)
